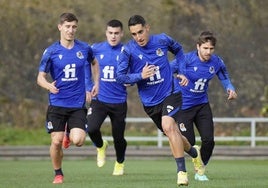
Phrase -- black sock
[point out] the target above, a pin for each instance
(192, 152)
(180, 164)
(58, 172)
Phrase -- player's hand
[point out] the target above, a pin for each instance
(94, 91)
(231, 94)
(148, 71)
(183, 80)
(52, 88)
(88, 97)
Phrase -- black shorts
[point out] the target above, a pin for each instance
(58, 117)
(169, 107)
(200, 116)
(99, 110)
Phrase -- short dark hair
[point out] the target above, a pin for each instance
(206, 36)
(68, 17)
(115, 23)
(136, 19)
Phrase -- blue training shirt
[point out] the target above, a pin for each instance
(155, 89)
(199, 74)
(67, 68)
(110, 91)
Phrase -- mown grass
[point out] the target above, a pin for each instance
(159, 173)
(35, 137)
(22, 136)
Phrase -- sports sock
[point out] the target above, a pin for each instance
(192, 152)
(180, 164)
(58, 172)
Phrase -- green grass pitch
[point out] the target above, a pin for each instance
(155, 173)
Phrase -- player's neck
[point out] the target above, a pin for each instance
(67, 43)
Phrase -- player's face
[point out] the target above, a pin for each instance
(68, 30)
(114, 35)
(205, 51)
(140, 34)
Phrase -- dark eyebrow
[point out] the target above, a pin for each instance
(139, 32)
(117, 32)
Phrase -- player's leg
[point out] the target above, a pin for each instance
(186, 127)
(55, 126)
(170, 108)
(156, 114)
(176, 145)
(66, 139)
(56, 155)
(78, 124)
(117, 113)
(205, 126)
(96, 115)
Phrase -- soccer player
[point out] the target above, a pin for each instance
(202, 65)
(144, 61)
(111, 100)
(65, 60)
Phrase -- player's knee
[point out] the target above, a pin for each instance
(78, 141)
(92, 130)
(208, 143)
(169, 130)
(56, 143)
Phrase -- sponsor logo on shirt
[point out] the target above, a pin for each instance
(69, 71)
(108, 74)
(199, 86)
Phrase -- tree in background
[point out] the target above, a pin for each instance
(28, 26)
(264, 110)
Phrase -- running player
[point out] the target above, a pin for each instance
(111, 100)
(202, 66)
(65, 61)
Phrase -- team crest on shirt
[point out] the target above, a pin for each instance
(159, 52)
(101, 56)
(140, 56)
(211, 70)
(79, 54)
(60, 56)
(195, 69)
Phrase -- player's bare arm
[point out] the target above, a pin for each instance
(96, 76)
(42, 81)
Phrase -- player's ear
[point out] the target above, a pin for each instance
(148, 27)
(197, 46)
(59, 27)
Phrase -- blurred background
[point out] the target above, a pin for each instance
(27, 27)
